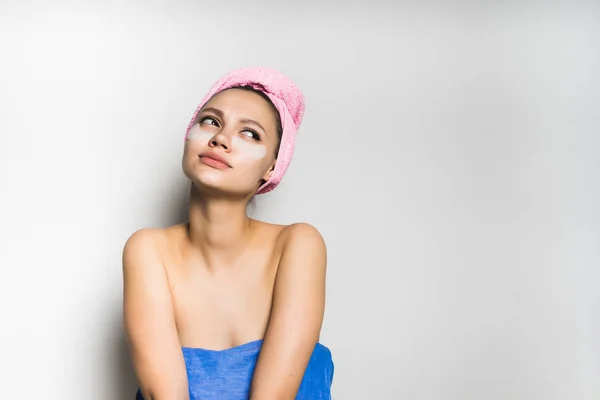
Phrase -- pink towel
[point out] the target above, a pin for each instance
(286, 97)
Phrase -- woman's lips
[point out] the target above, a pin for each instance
(214, 160)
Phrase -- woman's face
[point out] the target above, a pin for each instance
(231, 146)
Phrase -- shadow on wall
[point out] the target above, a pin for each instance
(175, 203)
(123, 378)
(172, 209)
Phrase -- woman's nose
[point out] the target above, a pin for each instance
(220, 139)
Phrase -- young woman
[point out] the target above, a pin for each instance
(224, 306)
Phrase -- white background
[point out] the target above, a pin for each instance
(450, 155)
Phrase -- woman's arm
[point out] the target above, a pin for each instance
(296, 316)
(150, 322)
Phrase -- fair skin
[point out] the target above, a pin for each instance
(224, 279)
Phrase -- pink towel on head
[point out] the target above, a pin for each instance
(286, 97)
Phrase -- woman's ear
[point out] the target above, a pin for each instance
(268, 174)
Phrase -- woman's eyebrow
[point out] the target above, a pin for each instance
(216, 111)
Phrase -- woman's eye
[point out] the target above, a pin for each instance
(209, 121)
(252, 134)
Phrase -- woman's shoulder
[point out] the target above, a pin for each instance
(302, 229)
(152, 237)
(285, 232)
(299, 234)
(152, 241)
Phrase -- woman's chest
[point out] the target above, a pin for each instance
(222, 309)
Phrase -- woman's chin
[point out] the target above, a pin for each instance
(221, 189)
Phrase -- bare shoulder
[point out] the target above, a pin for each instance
(143, 245)
(144, 237)
(303, 234)
(303, 245)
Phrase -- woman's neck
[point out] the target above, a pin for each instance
(218, 227)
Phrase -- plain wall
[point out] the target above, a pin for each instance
(449, 155)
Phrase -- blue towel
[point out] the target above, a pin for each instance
(227, 374)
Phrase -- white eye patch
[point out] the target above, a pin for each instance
(198, 134)
(250, 148)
